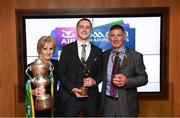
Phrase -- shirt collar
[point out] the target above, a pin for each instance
(122, 50)
(80, 43)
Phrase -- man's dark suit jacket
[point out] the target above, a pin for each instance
(70, 71)
(133, 68)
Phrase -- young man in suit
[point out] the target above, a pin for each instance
(123, 72)
(71, 74)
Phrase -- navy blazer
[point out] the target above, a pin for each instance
(134, 69)
(70, 71)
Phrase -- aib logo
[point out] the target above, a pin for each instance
(64, 36)
(68, 33)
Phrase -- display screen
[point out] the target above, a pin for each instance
(143, 34)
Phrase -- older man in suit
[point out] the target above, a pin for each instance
(123, 72)
(71, 74)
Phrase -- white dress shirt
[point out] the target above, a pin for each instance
(88, 49)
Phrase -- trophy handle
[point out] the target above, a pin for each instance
(28, 68)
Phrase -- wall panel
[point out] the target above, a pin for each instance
(9, 105)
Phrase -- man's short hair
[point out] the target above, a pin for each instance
(85, 20)
(116, 27)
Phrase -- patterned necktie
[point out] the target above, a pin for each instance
(83, 53)
(116, 66)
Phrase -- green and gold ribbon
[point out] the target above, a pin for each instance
(51, 76)
(29, 100)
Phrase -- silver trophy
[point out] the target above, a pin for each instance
(40, 80)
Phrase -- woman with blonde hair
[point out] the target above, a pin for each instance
(46, 46)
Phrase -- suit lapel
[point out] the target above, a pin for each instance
(125, 60)
(92, 54)
(105, 62)
(75, 52)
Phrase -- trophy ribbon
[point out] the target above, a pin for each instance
(29, 100)
(51, 76)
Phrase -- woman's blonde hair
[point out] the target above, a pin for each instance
(43, 40)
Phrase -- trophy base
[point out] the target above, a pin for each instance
(84, 92)
(43, 102)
